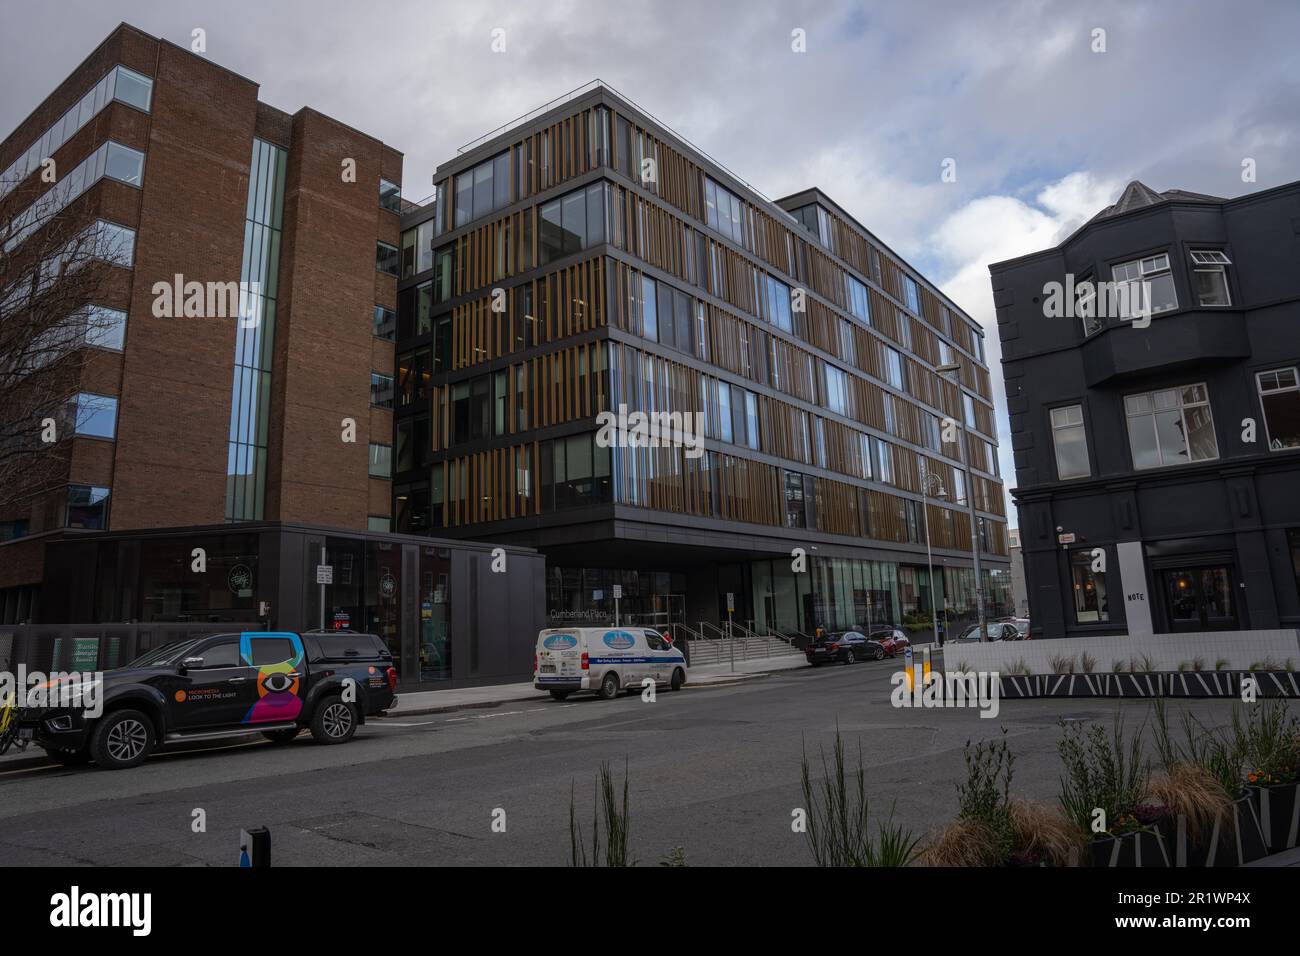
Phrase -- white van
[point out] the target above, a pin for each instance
(605, 660)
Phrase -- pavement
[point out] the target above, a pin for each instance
(714, 770)
(706, 675)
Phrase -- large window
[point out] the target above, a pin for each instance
(817, 221)
(87, 507)
(390, 196)
(1071, 442)
(1172, 426)
(1090, 606)
(111, 159)
(855, 294)
(837, 390)
(1279, 395)
(386, 257)
(571, 223)
(724, 212)
(483, 189)
(381, 461)
(778, 304)
(385, 323)
(381, 390)
(121, 84)
(912, 294)
(105, 328)
(895, 370)
(1210, 277)
(94, 415)
(1150, 284)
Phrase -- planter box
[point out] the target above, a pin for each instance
(1234, 841)
(1228, 683)
(1279, 814)
(1141, 848)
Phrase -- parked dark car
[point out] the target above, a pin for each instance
(997, 631)
(846, 647)
(223, 685)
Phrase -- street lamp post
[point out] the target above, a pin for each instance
(929, 558)
(945, 371)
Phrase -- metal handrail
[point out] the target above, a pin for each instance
(722, 634)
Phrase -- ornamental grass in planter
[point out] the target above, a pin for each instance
(1102, 794)
(1215, 821)
(1267, 737)
(994, 828)
(983, 833)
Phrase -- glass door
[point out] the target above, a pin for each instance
(1200, 598)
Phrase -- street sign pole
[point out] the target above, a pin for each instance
(731, 638)
(322, 589)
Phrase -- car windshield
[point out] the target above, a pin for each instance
(1022, 627)
(166, 654)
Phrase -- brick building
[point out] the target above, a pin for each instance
(195, 420)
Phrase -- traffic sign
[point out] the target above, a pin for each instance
(324, 574)
(731, 602)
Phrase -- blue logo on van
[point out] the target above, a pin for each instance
(560, 642)
(619, 640)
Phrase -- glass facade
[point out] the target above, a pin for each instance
(254, 341)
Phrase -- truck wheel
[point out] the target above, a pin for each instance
(281, 736)
(679, 678)
(609, 686)
(334, 721)
(122, 739)
(560, 694)
(69, 758)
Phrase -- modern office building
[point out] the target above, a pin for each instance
(1152, 365)
(587, 259)
(187, 410)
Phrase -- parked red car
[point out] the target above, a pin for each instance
(892, 639)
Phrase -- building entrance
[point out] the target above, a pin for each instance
(1200, 598)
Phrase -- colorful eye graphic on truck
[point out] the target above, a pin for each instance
(278, 681)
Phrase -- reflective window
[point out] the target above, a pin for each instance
(1149, 284)
(119, 83)
(381, 461)
(482, 189)
(571, 223)
(724, 212)
(87, 507)
(381, 390)
(386, 258)
(105, 328)
(1090, 605)
(1172, 426)
(1210, 277)
(94, 415)
(390, 196)
(1279, 395)
(912, 294)
(1071, 442)
(385, 323)
(855, 294)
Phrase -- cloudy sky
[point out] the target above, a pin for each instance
(1044, 130)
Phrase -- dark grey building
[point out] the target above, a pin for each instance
(586, 258)
(1152, 365)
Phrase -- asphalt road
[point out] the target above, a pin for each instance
(714, 771)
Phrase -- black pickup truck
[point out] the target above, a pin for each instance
(222, 685)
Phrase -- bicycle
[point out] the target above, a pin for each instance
(9, 725)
